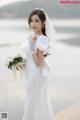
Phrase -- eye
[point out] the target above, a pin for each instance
(36, 20)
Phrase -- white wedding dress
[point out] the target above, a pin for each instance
(37, 104)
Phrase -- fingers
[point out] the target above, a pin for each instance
(19, 67)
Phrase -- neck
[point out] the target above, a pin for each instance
(38, 33)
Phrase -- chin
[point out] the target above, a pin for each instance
(35, 30)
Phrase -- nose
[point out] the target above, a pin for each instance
(33, 24)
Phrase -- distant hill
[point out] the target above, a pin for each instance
(22, 9)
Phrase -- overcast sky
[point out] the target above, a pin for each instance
(3, 2)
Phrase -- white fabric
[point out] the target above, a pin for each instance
(37, 104)
(50, 31)
(42, 44)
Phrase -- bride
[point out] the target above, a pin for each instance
(36, 50)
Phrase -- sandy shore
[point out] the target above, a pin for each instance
(70, 113)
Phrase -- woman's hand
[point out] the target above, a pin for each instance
(20, 66)
(33, 37)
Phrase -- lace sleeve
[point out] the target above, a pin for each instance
(42, 44)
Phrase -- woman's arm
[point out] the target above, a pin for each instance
(38, 58)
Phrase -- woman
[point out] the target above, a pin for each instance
(37, 106)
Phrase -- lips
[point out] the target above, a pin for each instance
(33, 27)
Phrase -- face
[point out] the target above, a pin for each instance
(36, 24)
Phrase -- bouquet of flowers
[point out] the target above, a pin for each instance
(16, 62)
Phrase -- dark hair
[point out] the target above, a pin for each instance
(42, 17)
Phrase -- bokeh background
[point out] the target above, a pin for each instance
(64, 81)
